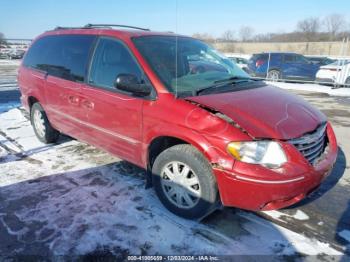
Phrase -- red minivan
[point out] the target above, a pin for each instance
(206, 132)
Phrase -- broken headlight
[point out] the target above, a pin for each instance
(266, 153)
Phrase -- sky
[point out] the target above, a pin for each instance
(29, 18)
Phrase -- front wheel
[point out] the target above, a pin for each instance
(184, 182)
(347, 82)
(41, 125)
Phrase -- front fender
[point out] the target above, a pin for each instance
(212, 152)
(192, 123)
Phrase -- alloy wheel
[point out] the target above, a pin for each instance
(273, 75)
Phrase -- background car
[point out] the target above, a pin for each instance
(320, 60)
(16, 54)
(196, 65)
(240, 61)
(335, 73)
(4, 53)
(277, 66)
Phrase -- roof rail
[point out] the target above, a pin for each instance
(91, 26)
(66, 28)
(113, 25)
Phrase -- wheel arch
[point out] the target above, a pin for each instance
(347, 80)
(275, 69)
(161, 142)
(31, 101)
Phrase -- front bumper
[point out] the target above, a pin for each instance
(254, 187)
(324, 80)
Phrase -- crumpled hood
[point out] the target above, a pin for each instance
(265, 112)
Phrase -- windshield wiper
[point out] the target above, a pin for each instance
(235, 79)
(214, 86)
(232, 81)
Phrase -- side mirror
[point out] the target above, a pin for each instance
(130, 83)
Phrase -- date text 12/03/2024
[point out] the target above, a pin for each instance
(173, 258)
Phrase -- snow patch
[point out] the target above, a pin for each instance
(12, 62)
(3, 152)
(313, 88)
(290, 241)
(73, 199)
(299, 215)
(19, 129)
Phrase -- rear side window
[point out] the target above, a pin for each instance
(63, 56)
(36, 53)
(261, 57)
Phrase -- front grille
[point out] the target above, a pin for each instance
(312, 145)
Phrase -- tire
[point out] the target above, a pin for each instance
(347, 82)
(274, 75)
(41, 125)
(201, 188)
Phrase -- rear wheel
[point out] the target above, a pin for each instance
(41, 125)
(274, 75)
(184, 182)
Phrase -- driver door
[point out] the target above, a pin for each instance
(113, 117)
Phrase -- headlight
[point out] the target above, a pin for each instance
(267, 153)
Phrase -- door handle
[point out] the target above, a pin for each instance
(73, 100)
(88, 104)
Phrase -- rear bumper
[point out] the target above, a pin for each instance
(242, 190)
(24, 102)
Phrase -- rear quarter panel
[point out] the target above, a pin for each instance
(31, 84)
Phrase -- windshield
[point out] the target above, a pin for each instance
(194, 66)
(341, 62)
(301, 59)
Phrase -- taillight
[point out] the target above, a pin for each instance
(259, 62)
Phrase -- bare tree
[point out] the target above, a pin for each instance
(228, 36)
(246, 33)
(205, 37)
(309, 27)
(334, 23)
